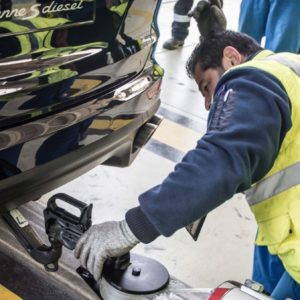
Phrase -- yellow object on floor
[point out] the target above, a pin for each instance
(7, 294)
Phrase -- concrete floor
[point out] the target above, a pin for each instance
(224, 249)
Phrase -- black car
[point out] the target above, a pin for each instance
(79, 86)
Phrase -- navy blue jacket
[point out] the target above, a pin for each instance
(248, 120)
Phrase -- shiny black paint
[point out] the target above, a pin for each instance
(72, 78)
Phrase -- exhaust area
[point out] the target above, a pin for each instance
(146, 131)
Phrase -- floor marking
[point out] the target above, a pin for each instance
(183, 120)
(7, 294)
(176, 136)
(164, 151)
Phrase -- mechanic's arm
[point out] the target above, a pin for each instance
(248, 120)
(245, 131)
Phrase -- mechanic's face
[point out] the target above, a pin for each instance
(207, 81)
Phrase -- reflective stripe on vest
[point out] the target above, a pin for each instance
(294, 66)
(274, 184)
(285, 178)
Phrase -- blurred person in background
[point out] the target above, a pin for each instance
(276, 20)
(180, 24)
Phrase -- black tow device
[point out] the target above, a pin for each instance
(64, 227)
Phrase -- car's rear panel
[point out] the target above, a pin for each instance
(77, 83)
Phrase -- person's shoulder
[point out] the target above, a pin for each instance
(247, 76)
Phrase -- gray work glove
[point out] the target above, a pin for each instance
(109, 239)
(209, 16)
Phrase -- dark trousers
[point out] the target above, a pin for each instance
(181, 21)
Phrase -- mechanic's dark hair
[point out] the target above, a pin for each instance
(209, 51)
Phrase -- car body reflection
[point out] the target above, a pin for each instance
(77, 77)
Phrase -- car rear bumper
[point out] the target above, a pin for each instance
(118, 148)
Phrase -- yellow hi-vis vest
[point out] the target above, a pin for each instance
(275, 199)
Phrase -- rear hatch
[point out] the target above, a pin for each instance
(62, 53)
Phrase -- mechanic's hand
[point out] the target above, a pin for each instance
(101, 241)
(209, 16)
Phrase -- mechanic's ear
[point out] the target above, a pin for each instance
(231, 57)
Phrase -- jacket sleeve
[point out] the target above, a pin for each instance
(248, 120)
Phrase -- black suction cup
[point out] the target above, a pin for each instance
(136, 274)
